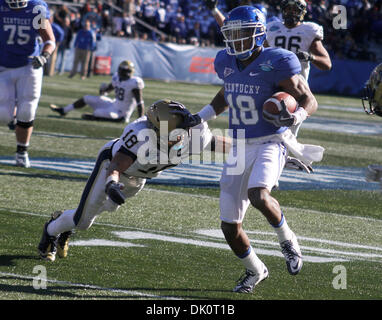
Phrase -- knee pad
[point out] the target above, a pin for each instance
(24, 125)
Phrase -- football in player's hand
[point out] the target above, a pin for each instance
(273, 105)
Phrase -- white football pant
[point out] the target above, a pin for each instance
(19, 87)
(262, 162)
(94, 200)
(105, 107)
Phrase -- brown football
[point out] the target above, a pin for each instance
(273, 106)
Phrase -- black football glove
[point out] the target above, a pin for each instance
(113, 190)
(304, 56)
(39, 61)
(296, 164)
(283, 119)
(190, 120)
(211, 4)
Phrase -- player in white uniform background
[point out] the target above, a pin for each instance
(302, 38)
(146, 147)
(128, 96)
(22, 22)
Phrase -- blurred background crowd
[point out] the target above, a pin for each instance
(190, 22)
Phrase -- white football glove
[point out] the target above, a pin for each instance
(283, 119)
(296, 164)
(39, 61)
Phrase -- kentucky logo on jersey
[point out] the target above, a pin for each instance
(267, 66)
(227, 72)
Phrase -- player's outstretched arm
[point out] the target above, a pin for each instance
(212, 6)
(320, 57)
(139, 99)
(220, 144)
(119, 164)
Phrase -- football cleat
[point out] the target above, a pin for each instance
(22, 160)
(249, 280)
(63, 244)
(47, 246)
(57, 109)
(292, 253)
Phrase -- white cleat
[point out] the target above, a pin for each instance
(249, 280)
(292, 253)
(22, 160)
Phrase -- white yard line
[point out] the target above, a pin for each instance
(88, 286)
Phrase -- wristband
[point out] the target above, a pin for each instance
(214, 11)
(207, 113)
(300, 115)
(52, 43)
(109, 179)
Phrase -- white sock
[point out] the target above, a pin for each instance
(68, 108)
(282, 230)
(63, 223)
(252, 262)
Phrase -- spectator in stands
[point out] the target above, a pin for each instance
(179, 29)
(59, 34)
(83, 45)
(64, 45)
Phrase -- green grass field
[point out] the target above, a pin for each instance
(165, 242)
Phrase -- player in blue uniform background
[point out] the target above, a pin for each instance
(21, 23)
(251, 74)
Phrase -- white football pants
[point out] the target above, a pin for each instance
(261, 162)
(94, 200)
(19, 87)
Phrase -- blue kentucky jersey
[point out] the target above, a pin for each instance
(246, 90)
(19, 29)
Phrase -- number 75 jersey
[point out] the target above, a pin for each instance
(296, 39)
(19, 31)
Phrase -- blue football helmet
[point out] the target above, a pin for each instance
(17, 4)
(261, 8)
(243, 31)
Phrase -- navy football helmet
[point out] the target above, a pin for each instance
(243, 31)
(293, 11)
(17, 4)
(373, 92)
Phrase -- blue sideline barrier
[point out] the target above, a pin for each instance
(172, 62)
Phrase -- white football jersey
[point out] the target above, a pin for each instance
(298, 38)
(138, 141)
(124, 98)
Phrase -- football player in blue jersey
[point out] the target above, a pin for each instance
(22, 22)
(251, 74)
